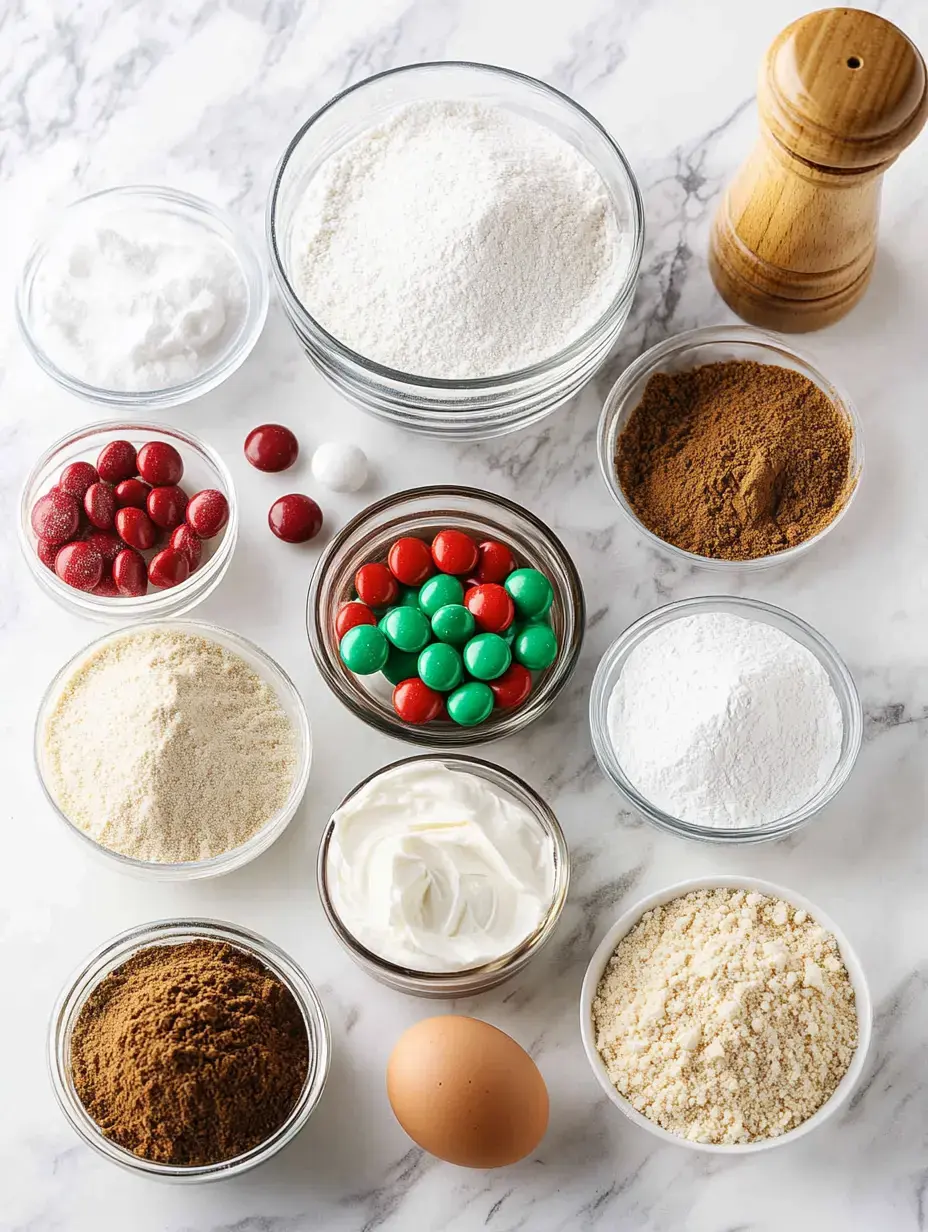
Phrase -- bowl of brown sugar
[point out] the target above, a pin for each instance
(729, 449)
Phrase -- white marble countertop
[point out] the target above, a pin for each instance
(202, 96)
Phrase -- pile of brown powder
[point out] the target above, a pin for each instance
(735, 460)
(190, 1054)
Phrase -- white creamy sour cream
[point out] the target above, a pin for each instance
(438, 870)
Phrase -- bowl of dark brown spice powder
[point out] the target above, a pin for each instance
(188, 1050)
(729, 449)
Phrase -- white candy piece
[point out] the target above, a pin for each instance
(340, 466)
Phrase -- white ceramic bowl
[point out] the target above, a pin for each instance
(625, 923)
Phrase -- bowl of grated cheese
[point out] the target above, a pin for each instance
(726, 1014)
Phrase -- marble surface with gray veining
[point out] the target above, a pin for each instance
(203, 95)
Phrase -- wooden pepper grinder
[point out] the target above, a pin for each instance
(841, 94)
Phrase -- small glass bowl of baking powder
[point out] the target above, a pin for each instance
(119, 950)
(469, 981)
(203, 468)
(227, 861)
(462, 408)
(142, 213)
(624, 925)
(842, 682)
(422, 512)
(692, 349)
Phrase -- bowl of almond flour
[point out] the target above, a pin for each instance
(726, 1015)
(176, 749)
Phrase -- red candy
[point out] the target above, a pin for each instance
(415, 702)
(132, 493)
(56, 516)
(76, 478)
(352, 614)
(106, 588)
(100, 506)
(80, 565)
(108, 544)
(169, 568)
(208, 512)
(136, 528)
(490, 606)
(495, 562)
(184, 540)
(272, 447)
(159, 464)
(117, 461)
(513, 687)
(166, 506)
(454, 552)
(376, 585)
(47, 552)
(410, 561)
(130, 574)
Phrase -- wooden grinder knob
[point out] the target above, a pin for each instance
(841, 94)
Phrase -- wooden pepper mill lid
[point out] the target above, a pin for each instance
(841, 94)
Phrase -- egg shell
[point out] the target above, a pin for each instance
(466, 1092)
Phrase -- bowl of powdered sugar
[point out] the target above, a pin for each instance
(724, 719)
(456, 246)
(177, 749)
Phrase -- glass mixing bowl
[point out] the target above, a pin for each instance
(465, 409)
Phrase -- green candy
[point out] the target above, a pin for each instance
(487, 656)
(406, 628)
(409, 597)
(470, 704)
(440, 667)
(364, 649)
(439, 591)
(530, 591)
(453, 623)
(401, 665)
(535, 647)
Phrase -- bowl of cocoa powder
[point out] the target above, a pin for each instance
(726, 447)
(188, 1050)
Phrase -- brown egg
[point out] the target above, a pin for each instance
(466, 1092)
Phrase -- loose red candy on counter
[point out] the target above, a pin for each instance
(100, 505)
(130, 574)
(351, 614)
(136, 528)
(295, 518)
(490, 606)
(107, 543)
(512, 688)
(56, 516)
(208, 512)
(454, 552)
(80, 565)
(168, 568)
(77, 477)
(495, 562)
(271, 447)
(410, 561)
(376, 585)
(415, 702)
(132, 493)
(166, 506)
(187, 541)
(117, 461)
(47, 552)
(159, 464)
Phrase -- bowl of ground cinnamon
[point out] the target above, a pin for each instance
(188, 1050)
(727, 447)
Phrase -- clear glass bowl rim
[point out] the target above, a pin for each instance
(159, 603)
(247, 253)
(119, 949)
(516, 957)
(650, 361)
(235, 857)
(751, 609)
(573, 351)
(390, 725)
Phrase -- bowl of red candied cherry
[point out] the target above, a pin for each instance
(446, 616)
(127, 520)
